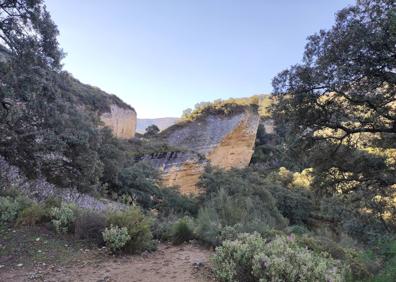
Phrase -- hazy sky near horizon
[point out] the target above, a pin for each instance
(163, 56)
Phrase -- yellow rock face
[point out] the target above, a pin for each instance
(236, 148)
(224, 141)
(121, 121)
(186, 177)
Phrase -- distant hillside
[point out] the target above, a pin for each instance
(162, 123)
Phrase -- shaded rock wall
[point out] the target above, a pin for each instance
(122, 121)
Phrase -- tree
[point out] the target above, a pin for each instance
(151, 131)
(347, 81)
(28, 37)
(26, 29)
(341, 103)
(41, 130)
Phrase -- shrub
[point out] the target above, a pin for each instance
(251, 258)
(51, 202)
(11, 207)
(208, 227)
(138, 226)
(236, 198)
(233, 260)
(140, 181)
(32, 215)
(162, 227)
(89, 225)
(172, 201)
(63, 217)
(388, 251)
(284, 260)
(116, 237)
(182, 230)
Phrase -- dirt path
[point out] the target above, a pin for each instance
(168, 264)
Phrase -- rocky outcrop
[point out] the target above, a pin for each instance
(181, 169)
(122, 121)
(39, 190)
(223, 141)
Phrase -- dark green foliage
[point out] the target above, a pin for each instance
(32, 215)
(388, 273)
(182, 230)
(11, 207)
(93, 98)
(338, 107)
(359, 268)
(293, 195)
(113, 157)
(172, 201)
(151, 131)
(296, 205)
(26, 30)
(138, 226)
(48, 120)
(89, 225)
(141, 182)
(237, 198)
(162, 227)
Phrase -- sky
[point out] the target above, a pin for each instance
(163, 56)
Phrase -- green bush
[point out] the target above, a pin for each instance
(138, 226)
(251, 258)
(63, 217)
(89, 225)
(52, 202)
(116, 237)
(182, 230)
(388, 252)
(162, 227)
(32, 215)
(10, 208)
(283, 259)
(359, 269)
(233, 260)
(208, 227)
(236, 198)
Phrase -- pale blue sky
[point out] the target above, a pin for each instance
(163, 56)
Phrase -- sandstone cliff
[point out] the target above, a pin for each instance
(122, 121)
(113, 112)
(182, 168)
(224, 141)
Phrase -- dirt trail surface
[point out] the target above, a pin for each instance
(167, 264)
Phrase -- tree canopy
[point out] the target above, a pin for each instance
(340, 105)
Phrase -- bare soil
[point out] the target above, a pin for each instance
(23, 257)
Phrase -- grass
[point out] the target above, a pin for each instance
(36, 245)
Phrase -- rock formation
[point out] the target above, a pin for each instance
(181, 168)
(122, 121)
(224, 141)
(40, 190)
